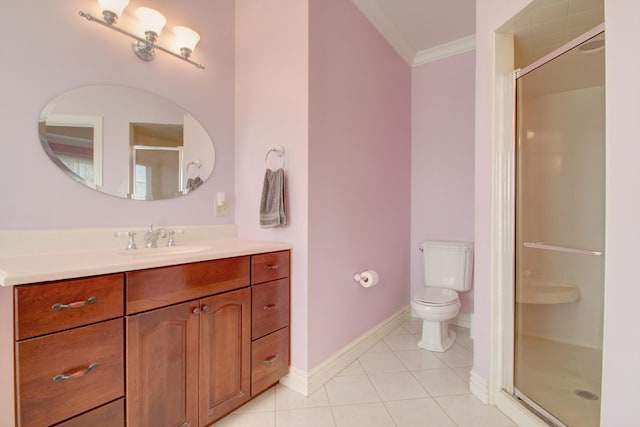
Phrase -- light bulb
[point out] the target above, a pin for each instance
(152, 20)
(186, 38)
(112, 9)
(115, 6)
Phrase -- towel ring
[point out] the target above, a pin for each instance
(278, 151)
(197, 164)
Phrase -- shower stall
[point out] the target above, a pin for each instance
(559, 234)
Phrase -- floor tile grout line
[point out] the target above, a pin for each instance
(368, 375)
(430, 396)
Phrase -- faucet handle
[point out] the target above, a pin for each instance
(132, 238)
(171, 241)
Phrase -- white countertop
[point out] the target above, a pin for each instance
(21, 267)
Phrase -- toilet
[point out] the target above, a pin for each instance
(448, 268)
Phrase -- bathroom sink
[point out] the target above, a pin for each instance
(536, 291)
(164, 251)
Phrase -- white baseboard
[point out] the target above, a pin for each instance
(306, 383)
(296, 380)
(462, 319)
(479, 386)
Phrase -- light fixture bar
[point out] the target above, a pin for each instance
(92, 18)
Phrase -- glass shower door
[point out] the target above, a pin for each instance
(559, 265)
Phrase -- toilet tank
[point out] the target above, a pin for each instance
(447, 264)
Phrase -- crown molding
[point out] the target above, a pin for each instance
(388, 30)
(385, 27)
(445, 50)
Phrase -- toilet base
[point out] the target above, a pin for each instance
(436, 336)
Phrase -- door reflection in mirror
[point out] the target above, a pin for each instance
(90, 132)
(74, 143)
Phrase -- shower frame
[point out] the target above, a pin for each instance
(498, 389)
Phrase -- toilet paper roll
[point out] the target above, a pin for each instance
(368, 278)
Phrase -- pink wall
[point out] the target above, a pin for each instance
(359, 180)
(294, 61)
(621, 370)
(50, 50)
(442, 138)
(272, 45)
(55, 50)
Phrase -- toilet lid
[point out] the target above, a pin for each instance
(436, 296)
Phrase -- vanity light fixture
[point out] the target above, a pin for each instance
(153, 22)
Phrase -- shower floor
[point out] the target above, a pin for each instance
(550, 372)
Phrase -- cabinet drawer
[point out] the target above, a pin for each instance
(269, 360)
(49, 307)
(160, 287)
(269, 307)
(109, 415)
(271, 266)
(43, 398)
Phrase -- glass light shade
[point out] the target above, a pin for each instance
(115, 6)
(151, 19)
(186, 37)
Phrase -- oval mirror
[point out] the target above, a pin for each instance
(126, 142)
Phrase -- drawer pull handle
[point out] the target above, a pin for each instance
(76, 374)
(270, 360)
(271, 267)
(76, 304)
(270, 307)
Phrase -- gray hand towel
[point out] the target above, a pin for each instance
(272, 208)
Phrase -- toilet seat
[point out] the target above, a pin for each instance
(435, 296)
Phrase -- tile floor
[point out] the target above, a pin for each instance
(394, 384)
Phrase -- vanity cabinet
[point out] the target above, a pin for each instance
(109, 415)
(69, 349)
(188, 363)
(181, 345)
(270, 319)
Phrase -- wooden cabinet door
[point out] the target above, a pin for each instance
(269, 360)
(63, 374)
(162, 367)
(269, 266)
(225, 354)
(49, 307)
(109, 415)
(269, 307)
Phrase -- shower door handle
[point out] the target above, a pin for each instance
(540, 245)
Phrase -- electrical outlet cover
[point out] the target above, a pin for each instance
(221, 210)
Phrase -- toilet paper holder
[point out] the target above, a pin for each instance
(366, 278)
(357, 277)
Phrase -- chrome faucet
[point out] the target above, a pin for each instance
(151, 236)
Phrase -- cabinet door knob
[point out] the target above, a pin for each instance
(270, 307)
(76, 374)
(270, 360)
(196, 310)
(75, 304)
(206, 308)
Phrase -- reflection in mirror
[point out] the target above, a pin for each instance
(126, 142)
(75, 145)
(157, 171)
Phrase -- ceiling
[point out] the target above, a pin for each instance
(413, 27)
(424, 30)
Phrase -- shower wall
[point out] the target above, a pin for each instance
(563, 154)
